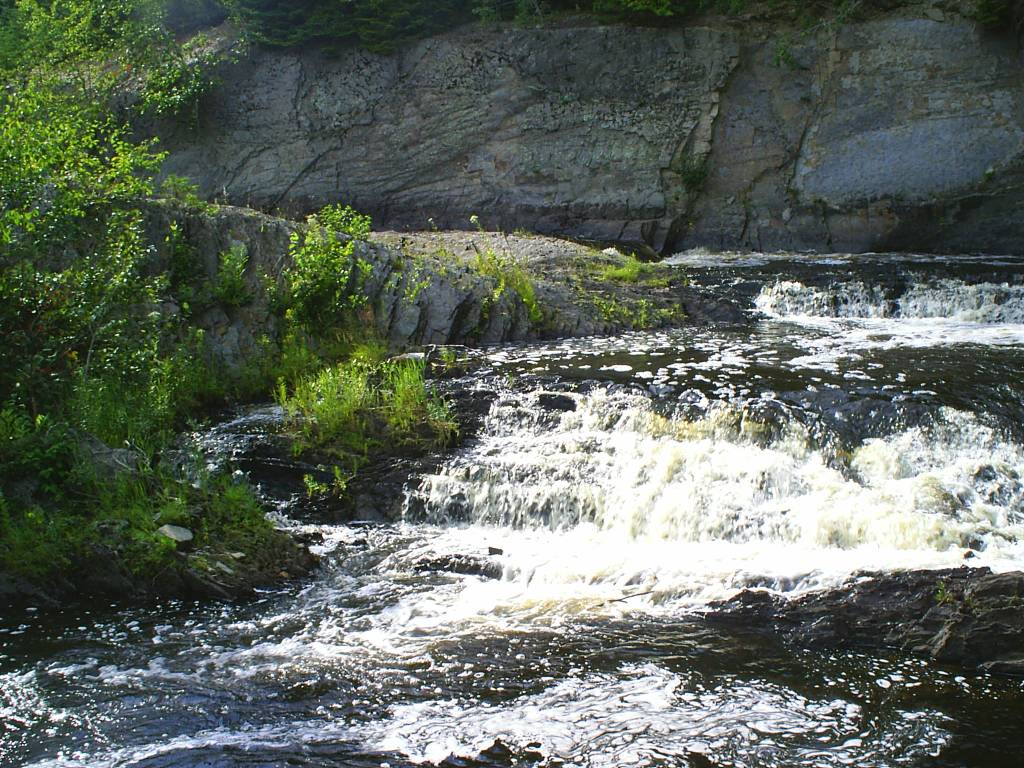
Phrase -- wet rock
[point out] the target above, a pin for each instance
(550, 401)
(966, 616)
(498, 754)
(465, 565)
(15, 591)
(100, 572)
(110, 462)
(207, 574)
(308, 538)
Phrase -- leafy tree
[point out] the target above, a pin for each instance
(285, 24)
(70, 247)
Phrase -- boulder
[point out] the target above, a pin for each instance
(966, 616)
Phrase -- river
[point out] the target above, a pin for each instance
(870, 415)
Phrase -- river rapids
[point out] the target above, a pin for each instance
(870, 415)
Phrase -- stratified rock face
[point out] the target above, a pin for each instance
(898, 132)
(560, 129)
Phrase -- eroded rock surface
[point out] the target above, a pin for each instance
(967, 616)
(429, 288)
(905, 130)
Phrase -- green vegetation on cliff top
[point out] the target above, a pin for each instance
(384, 25)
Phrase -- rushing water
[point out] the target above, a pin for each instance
(869, 416)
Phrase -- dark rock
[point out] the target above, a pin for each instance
(308, 538)
(109, 461)
(465, 565)
(445, 300)
(966, 616)
(550, 401)
(100, 572)
(16, 591)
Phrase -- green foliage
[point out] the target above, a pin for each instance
(100, 368)
(383, 25)
(347, 410)
(632, 270)
(345, 219)
(377, 25)
(73, 294)
(290, 23)
(326, 277)
(638, 314)
(652, 7)
(90, 49)
(178, 76)
(693, 171)
(67, 173)
(996, 14)
(230, 288)
(185, 191)
(783, 55)
(510, 276)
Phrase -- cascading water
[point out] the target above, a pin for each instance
(869, 416)
(939, 299)
(616, 498)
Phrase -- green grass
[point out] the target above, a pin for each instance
(90, 513)
(349, 410)
(637, 314)
(510, 275)
(632, 270)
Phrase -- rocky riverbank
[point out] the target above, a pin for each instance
(965, 616)
(435, 287)
(418, 291)
(208, 573)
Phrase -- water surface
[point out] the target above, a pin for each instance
(869, 416)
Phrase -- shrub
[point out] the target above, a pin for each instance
(326, 277)
(178, 76)
(230, 288)
(510, 275)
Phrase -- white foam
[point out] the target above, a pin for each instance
(643, 712)
(949, 299)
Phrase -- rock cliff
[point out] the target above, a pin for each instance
(428, 288)
(904, 131)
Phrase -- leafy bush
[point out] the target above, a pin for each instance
(178, 76)
(345, 219)
(326, 277)
(73, 294)
(230, 288)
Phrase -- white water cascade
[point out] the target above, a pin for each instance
(948, 299)
(614, 498)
